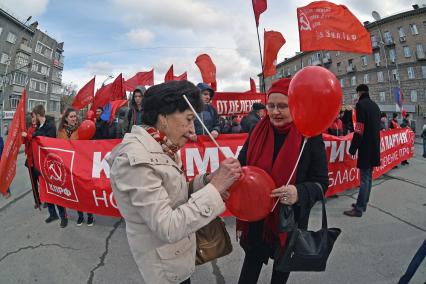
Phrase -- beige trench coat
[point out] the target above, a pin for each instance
(152, 194)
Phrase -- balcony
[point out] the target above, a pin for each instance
(58, 63)
(350, 69)
(316, 62)
(389, 42)
(420, 55)
(375, 45)
(402, 39)
(17, 89)
(326, 60)
(25, 48)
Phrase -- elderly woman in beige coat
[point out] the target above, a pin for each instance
(151, 190)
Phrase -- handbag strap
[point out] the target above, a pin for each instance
(324, 213)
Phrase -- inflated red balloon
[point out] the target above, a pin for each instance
(250, 198)
(86, 130)
(90, 115)
(314, 99)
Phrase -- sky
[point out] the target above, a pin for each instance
(110, 37)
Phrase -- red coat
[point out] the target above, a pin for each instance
(28, 150)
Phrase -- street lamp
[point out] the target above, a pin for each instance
(107, 78)
(3, 79)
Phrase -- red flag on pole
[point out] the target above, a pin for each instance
(12, 145)
(252, 85)
(110, 92)
(85, 96)
(115, 105)
(259, 6)
(169, 75)
(207, 68)
(140, 79)
(273, 41)
(182, 77)
(214, 86)
(327, 26)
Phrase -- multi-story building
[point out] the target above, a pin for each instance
(30, 59)
(398, 61)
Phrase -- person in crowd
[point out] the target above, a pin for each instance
(393, 124)
(68, 130)
(383, 121)
(208, 114)
(161, 215)
(405, 124)
(134, 116)
(235, 125)
(101, 125)
(347, 120)
(424, 140)
(414, 264)
(274, 145)
(8, 194)
(46, 127)
(366, 141)
(336, 128)
(250, 120)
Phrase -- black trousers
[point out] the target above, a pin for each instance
(251, 270)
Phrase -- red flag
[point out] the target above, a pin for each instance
(207, 68)
(115, 105)
(85, 96)
(110, 92)
(252, 85)
(140, 79)
(273, 41)
(327, 26)
(214, 86)
(169, 75)
(12, 145)
(181, 77)
(259, 6)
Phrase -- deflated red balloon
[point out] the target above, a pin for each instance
(250, 198)
(86, 130)
(90, 115)
(314, 100)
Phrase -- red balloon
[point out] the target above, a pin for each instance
(86, 130)
(90, 115)
(314, 99)
(250, 198)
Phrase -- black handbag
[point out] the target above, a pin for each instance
(308, 250)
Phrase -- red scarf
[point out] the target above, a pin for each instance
(169, 148)
(260, 153)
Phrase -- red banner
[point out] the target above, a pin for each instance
(74, 174)
(236, 103)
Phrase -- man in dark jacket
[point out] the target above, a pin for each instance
(383, 121)
(134, 116)
(366, 140)
(249, 122)
(47, 128)
(101, 126)
(208, 115)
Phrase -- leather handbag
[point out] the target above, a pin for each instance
(213, 241)
(308, 250)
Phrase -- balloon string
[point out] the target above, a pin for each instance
(294, 170)
(204, 126)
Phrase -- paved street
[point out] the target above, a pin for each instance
(373, 249)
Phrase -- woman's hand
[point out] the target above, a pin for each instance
(24, 134)
(215, 134)
(228, 172)
(286, 194)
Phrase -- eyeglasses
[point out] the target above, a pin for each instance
(280, 107)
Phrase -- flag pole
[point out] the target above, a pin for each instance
(260, 50)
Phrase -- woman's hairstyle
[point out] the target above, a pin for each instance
(67, 112)
(39, 109)
(167, 98)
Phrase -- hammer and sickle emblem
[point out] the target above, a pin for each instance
(55, 175)
(304, 22)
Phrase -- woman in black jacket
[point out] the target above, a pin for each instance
(274, 145)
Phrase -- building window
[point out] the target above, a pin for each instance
(5, 59)
(373, 40)
(337, 53)
(32, 103)
(353, 81)
(424, 71)
(401, 32)
(364, 60)
(407, 51)
(392, 55)
(413, 29)
(382, 97)
(377, 58)
(1, 30)
(21, 60)
(388, 37)
(411, 74)
(56, 89)
(366, 79)
(339, 65)
(38, 86)
(380, 76)
(413, 96)
(44, 50)
(295, 68)
(20, 78)
(342, 82)
(11, 37)
(13, 101)
(55, 106)
(395, 75)
(40, 68)
(419, 48)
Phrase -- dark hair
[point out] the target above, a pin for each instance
(167, 98)
(363, 88)
(39, 109)
(67, 112)
(101, 108)
(394, 115)
(258, 106)
(383, 115)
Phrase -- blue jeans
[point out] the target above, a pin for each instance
(414, 264)
(366, 178)
(424, 148)
(52, 211)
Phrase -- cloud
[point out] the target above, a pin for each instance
(140, 37)
(99, 68)
(24, 8)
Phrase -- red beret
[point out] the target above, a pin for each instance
(280, 86)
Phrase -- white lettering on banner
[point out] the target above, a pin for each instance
(390, 141)
(211, 157)
(235, 106)
(338, 150)
(100, 165)
(105, 199)
(338, 178)
(59, 190)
